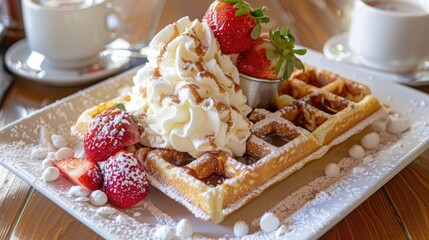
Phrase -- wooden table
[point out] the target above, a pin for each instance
(399, 210)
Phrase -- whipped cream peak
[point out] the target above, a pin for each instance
(187, 96)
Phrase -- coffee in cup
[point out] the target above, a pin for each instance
(390, 35)
(72, 33)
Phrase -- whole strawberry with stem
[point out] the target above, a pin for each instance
(235, 24)
(109, 132)
(272, 57)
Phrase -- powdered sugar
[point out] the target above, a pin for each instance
(79, 191)
(320, 200)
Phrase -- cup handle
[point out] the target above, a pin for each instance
(114, 21)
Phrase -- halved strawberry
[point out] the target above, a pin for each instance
(272, 57)
(235, 24)
(124, 180)
(81, 172)
(109, 132)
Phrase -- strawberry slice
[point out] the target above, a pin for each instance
(125, 181)
(109, 132)
(235, 24)
(81, 172)
(272, 57)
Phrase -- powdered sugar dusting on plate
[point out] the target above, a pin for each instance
(305, 212)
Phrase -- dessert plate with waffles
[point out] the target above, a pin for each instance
(173, 150)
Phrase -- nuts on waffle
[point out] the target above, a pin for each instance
(322, 109)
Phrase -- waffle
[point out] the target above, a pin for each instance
(322, 109)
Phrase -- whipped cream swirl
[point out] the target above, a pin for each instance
(188, 96)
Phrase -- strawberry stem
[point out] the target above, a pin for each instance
(284, 43)
(244, 8)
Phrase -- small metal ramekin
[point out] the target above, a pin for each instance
(260, 93)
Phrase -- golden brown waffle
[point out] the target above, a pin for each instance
(323, 110)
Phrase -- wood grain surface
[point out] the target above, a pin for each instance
(399, 210)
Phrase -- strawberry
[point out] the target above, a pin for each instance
(235, 24)
(272, 57)
(81, 172)
(125, 181)
(109, 132)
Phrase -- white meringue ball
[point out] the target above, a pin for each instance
(241, 229)
(58, 141)
(357, 152)
(379, 125)
(64, 153)
(48, 162)
(370, 141)
(269, 222)
(51, 155)
(332, 170)
(39, 152)
(98, 198)
(50, 174)
(397, 124)
(79, 191)
(184, 228)
(164, 233)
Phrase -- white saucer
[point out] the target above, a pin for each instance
(32, 65)
(336, 48)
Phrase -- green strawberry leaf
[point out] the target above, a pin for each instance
(300, 51)
(279, 64)
(297, 63)
(284, 52)
(272, 54)
(288, 70)
(256, 32)
(242, 9)
(120, 106)
(263, 19)
(258, 12)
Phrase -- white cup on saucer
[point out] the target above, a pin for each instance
(390, 35)
(70, 33)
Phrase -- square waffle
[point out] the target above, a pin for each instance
(321, 109)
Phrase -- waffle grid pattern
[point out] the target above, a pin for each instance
(315, 108)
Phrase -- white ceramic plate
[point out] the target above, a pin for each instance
(307, 202)
(32, 65)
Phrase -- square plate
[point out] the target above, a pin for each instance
(307, 202)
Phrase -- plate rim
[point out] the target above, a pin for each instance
(318, 57)
(22, 45)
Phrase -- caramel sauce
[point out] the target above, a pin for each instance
(248, 159)
(156, 72)
(173, 99)
(141, 115)
(174, 157)
(222, 107)
(330, 106)
(237, 87)
(190, 171)
(194, 90)
(201, 49)
(214, 179)
(351, 90)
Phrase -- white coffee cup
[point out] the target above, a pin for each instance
(70, 37)
(394, 40)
